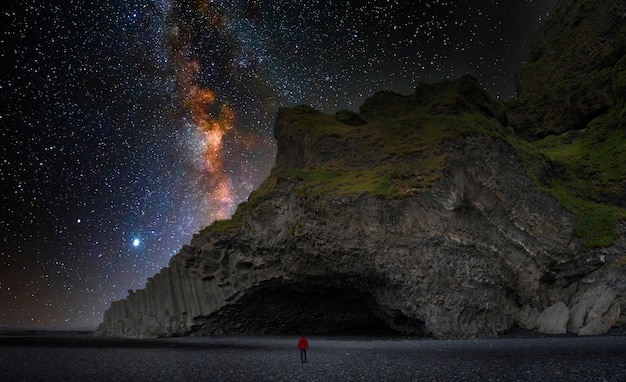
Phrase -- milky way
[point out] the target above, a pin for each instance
(129, 125)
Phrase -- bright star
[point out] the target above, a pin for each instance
(136, 242)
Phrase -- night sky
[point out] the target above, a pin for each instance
(128, 125)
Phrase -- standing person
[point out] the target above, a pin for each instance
(303, 345)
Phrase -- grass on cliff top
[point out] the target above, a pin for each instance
(385, 181)
(420, 131)
(407, 152)
(589, 173)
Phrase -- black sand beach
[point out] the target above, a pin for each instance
(49, 356)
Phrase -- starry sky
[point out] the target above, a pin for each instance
(128, 125)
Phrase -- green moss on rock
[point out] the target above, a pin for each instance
(590, 176)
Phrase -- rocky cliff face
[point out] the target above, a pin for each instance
(421, 214)
(576, 68)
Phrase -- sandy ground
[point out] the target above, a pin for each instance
(36, 356)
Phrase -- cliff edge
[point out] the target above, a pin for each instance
(424, 214)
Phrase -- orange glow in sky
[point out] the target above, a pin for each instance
(212, 121)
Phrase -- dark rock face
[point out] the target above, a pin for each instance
(359, 228)
(575, 71)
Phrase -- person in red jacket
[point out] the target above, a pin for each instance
(303, 345)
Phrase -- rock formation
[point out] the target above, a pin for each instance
(422, 214)
(553, 320)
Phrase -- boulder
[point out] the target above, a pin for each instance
(553, 320)
(594, 312)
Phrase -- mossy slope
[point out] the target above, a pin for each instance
(571, 104)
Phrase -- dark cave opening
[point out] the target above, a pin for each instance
(298, 309)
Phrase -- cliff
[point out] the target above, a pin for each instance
(427, 214)
(575, 70)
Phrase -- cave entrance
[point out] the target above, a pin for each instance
(298, 309)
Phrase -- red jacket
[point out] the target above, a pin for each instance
(303, 344)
